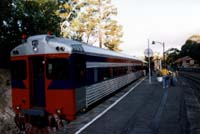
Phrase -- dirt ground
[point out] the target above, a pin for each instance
(7, 125)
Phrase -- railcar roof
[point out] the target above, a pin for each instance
(47, 44)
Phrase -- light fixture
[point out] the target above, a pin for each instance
(15, 52)
(35, 44)
(58, 111)
(57, 48)
(35, 49)
(60, 48)
(17, 107)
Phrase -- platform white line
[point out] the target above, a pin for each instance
(107, 109)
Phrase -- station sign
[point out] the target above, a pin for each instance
(148, 52)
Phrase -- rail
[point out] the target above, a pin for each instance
(191, 74)
(197, 69)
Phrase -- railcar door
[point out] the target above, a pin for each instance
(37, 81)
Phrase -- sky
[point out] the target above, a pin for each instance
(168, 21)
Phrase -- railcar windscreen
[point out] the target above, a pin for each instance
(57, 69)
(18, 70)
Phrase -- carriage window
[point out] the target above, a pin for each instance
(18, 70)
(90, 76)
(57, 69)
(105, 73)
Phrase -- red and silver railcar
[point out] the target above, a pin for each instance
(57, 76)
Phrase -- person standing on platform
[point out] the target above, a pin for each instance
(174, 79)
(165, 75)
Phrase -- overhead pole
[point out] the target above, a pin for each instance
(149, 63)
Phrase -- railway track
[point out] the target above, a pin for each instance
(191, 87)
(194, 81)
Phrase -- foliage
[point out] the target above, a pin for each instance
(36, 16)
(4, 8)
(68, 12)
(8, 38)
(172, 55)
(5, 20)
(92, 22)
(107, 30)
(30, 17)
(191, 48)
(112, 35)
(89, 21)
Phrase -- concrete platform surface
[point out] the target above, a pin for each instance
(148, 109)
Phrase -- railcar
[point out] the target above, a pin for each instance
(53, 78)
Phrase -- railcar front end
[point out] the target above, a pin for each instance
(43, 90)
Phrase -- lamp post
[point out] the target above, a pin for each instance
(163, 44)
(149, 63)
(149, 53)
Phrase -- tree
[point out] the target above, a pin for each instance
(92, 23)
(107, 30)
(89, 21)
(172, 55)
(68, 12)
(113, 33)
(191, 48)
(30, 17)
(7, 37)
(37, 17)
(5, 9)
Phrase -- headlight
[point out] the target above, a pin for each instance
(17, 107)
(58, 111)
(35, 49)
(60, 48)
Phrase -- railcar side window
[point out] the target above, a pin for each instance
(138, 67)
(134, 69)
(90, 76)
(18, 70)
(57, 69)
(105, 73)
(79, 67)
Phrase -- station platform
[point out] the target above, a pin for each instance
(144, 108)
(147, 109)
